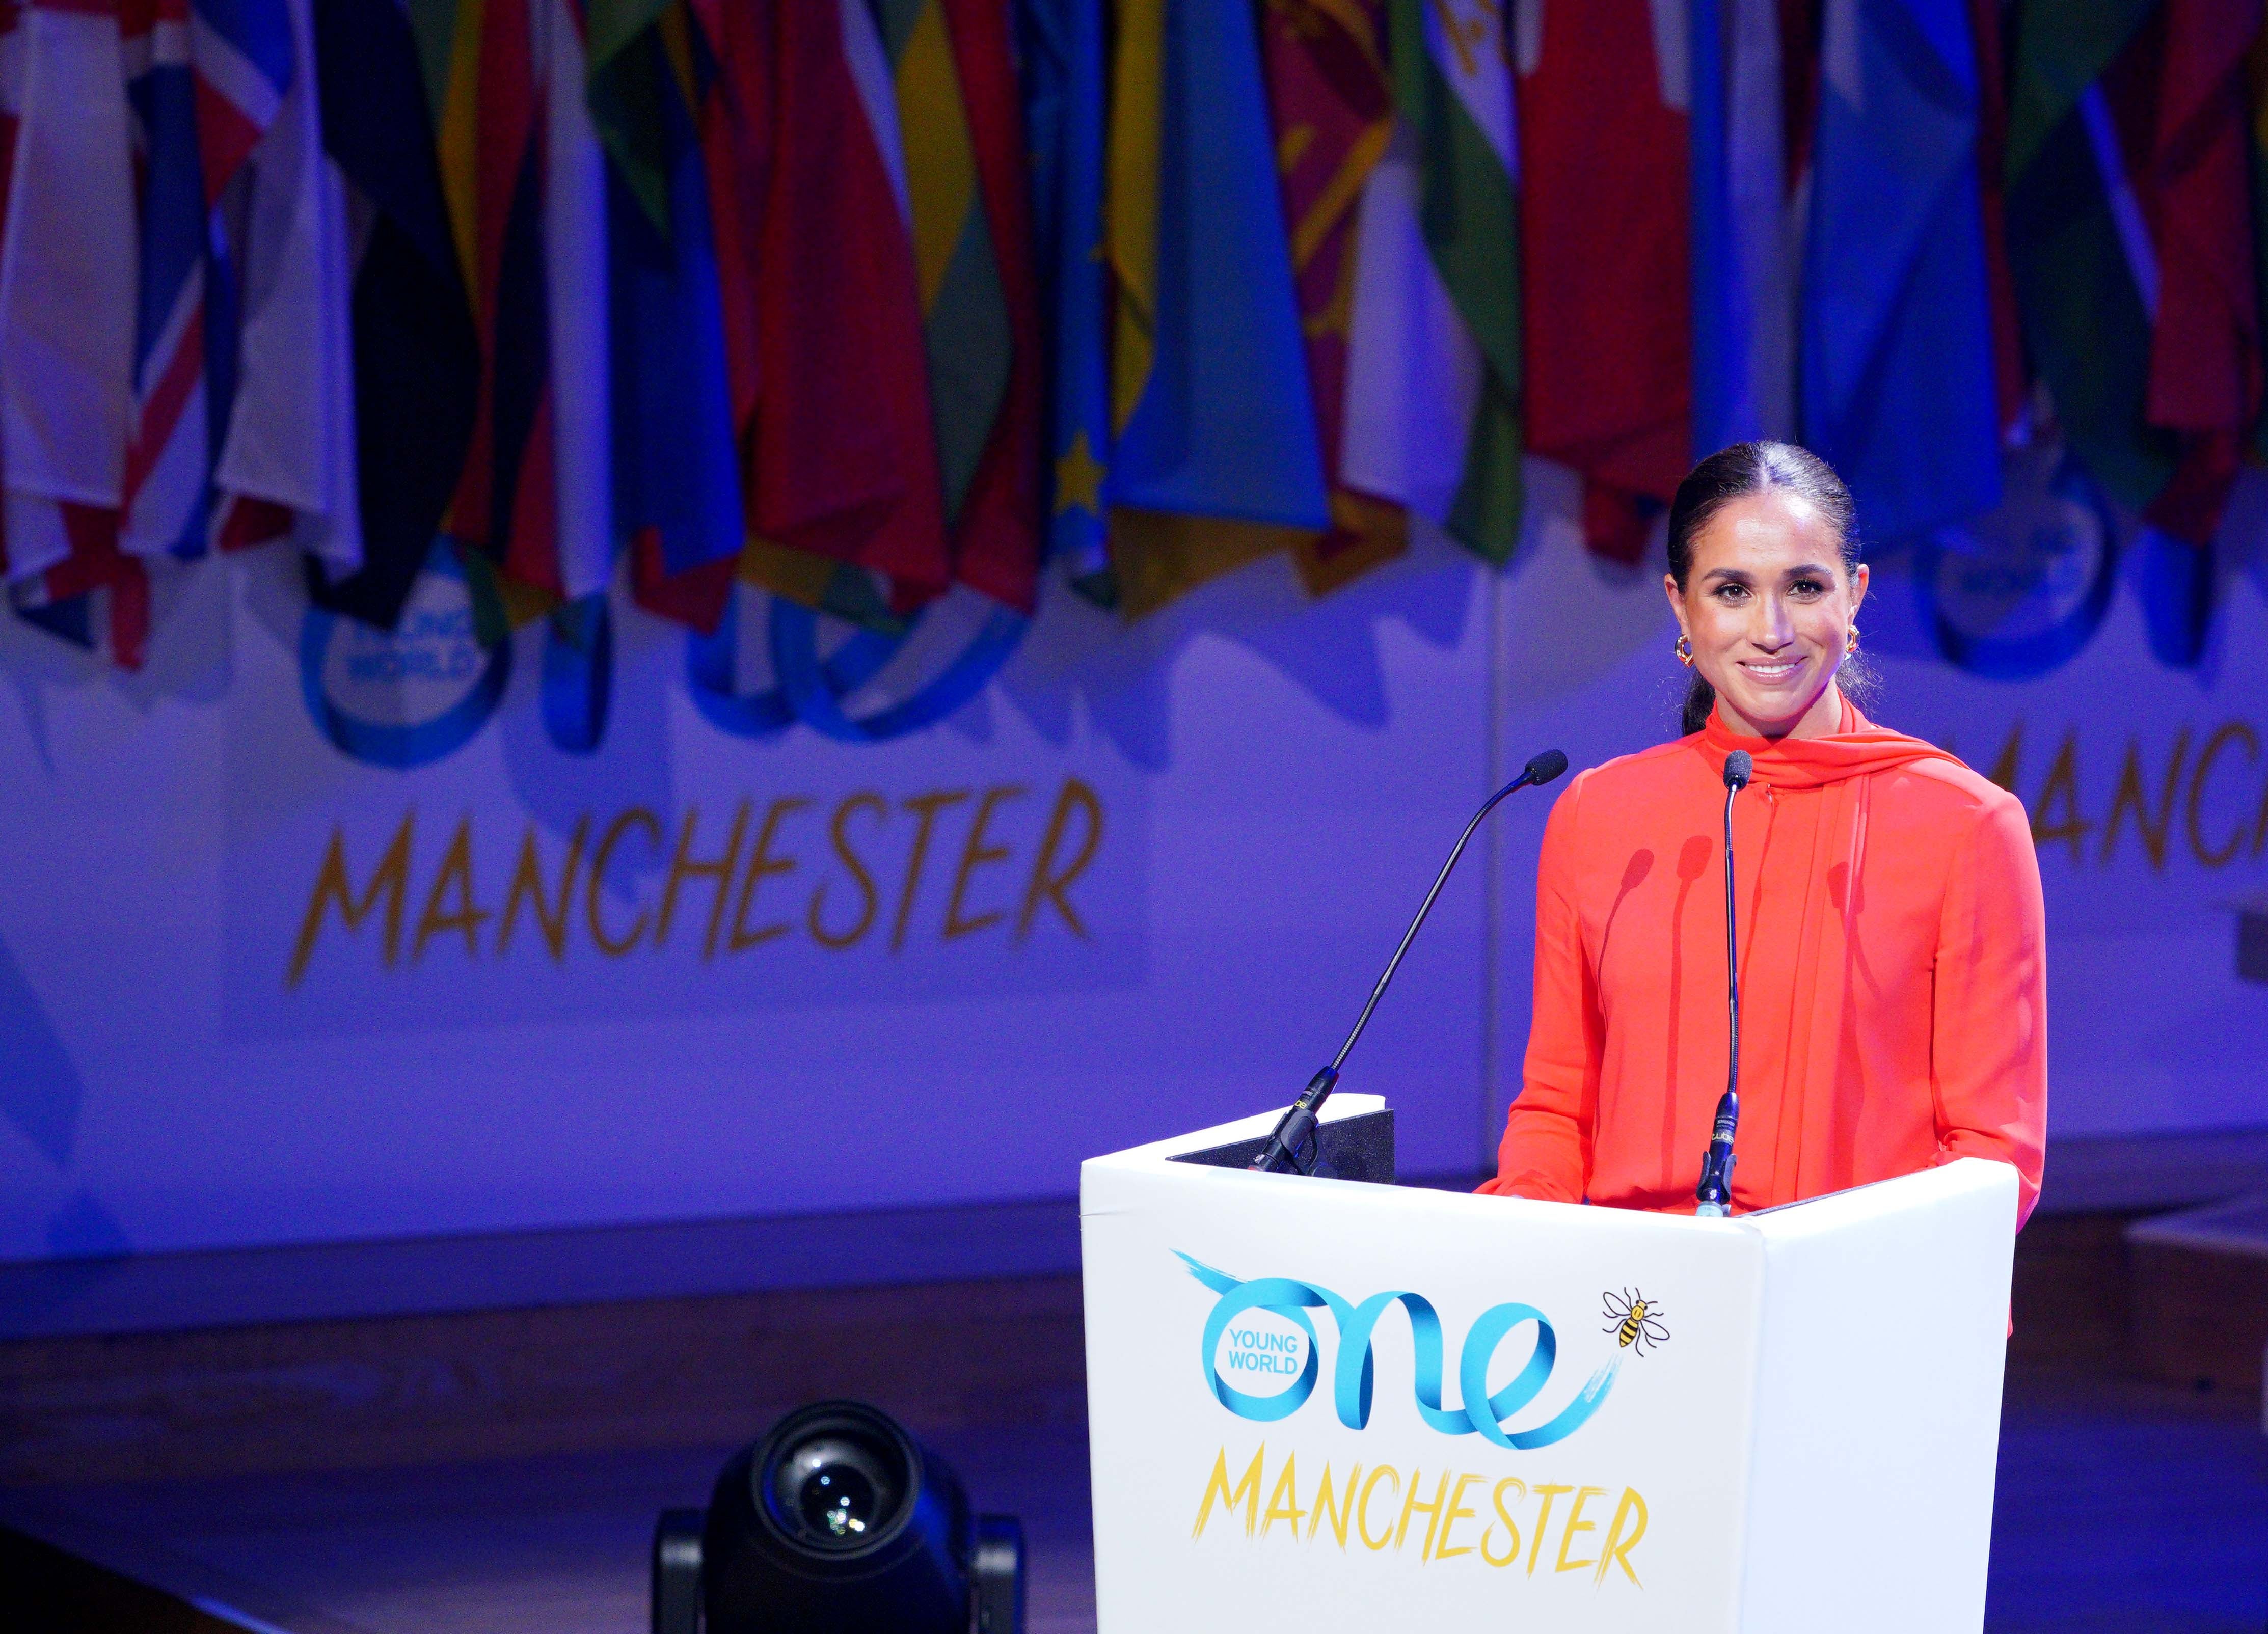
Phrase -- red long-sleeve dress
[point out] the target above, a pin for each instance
(1893, 986)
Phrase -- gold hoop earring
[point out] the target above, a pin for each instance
(1851, 646)
(1683, 648)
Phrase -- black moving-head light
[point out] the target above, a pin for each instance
(838, 1523)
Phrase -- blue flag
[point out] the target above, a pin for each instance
(1897, 378)
(1744, 322)
(677, 470)
(1063, 107)
(1225, 425)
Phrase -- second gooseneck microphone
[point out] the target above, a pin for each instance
(1296, 1129)
(1715, 1192)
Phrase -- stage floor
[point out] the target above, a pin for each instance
(2123, 1509)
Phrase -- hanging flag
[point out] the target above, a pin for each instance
(738, 142)
(2176, 100)
(2085, 320)
(67, 284)
(1898, 386)
(1607, 286)
(1433, 364)
(1062, 50)
(1329, 90)
(288, 464)
(996, 531)
(2204, 378)
(416, 356)
(1216, 417)
(96, 599)
(964, 313)
(2255, 75)
(2126, 210)
(491, 183)
(677, 470)
(1743, 284)
(241, 54)
(844, 456)
(2013, 386)
(246, 62)
(575, 291)
(163, 484)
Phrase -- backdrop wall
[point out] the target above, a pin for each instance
(257, 986)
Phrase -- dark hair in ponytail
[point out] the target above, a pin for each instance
(1732, 474)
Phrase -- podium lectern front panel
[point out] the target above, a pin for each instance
(1362, 1407)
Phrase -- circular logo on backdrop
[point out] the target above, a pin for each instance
(410, 694)
(2020, 590)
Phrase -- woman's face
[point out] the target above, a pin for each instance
(1768, 609)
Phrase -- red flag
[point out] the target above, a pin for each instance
(1992, 159)
(844, 460)
(695, 598)
(1606, 283)
(1333, 111)
(2206, 344)
(996, 539)
(2176, 98)
(735, 150)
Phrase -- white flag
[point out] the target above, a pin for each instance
(1414, 371)
(67, 281)
(291, 432)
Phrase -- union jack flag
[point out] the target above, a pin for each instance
(205, 81)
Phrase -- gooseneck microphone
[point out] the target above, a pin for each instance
(1297, 1127)
(1715, 1191)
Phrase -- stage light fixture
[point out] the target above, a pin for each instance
(837, 1521)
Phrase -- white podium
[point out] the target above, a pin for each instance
(1779, 1421)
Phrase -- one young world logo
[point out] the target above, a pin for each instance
(1262, 1358)
(408, 696)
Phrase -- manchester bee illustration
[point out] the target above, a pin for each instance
(1633, 1319)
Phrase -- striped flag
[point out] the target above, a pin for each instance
(964, 311)
(1216, 460)
(416, 357)
(289, 461)
(1434, 366)
(2085, 320)
(1333, 102)
(997, 535)
(676, 466)
(2126, 157)
(96, 599)
(166, 458)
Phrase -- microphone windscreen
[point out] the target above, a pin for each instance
(1739, 766)
(1545, 766)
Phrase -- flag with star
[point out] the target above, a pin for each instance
(1064, 63)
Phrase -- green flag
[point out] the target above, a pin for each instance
(2085, 319)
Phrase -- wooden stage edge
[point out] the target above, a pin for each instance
(581, 1363)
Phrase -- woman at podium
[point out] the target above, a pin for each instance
(1888, 908)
